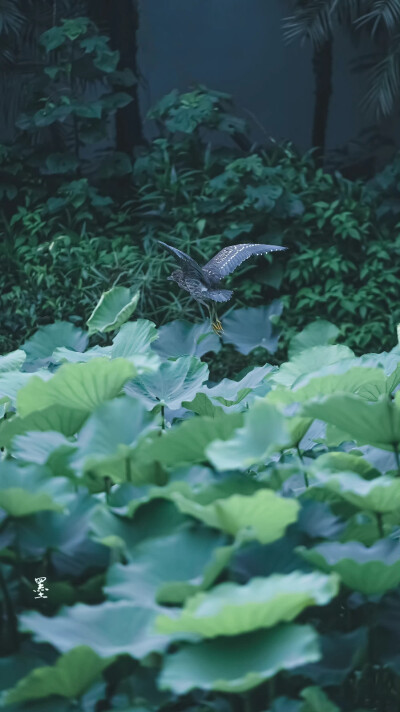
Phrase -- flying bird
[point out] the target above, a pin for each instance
(202, 283)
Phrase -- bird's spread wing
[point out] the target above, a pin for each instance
(231, 257)
(187, 264)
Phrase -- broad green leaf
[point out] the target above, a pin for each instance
(336, 462)
(318, 333)
(379, 495)
(369, 570)
(230, 392)
(12, 361)
(263, 515)
(62, 333)
(172, 383)
(296, 426)
(252, 327)
(106, 440)
(264, 431)
(169, 569)
(62, 354)
(113, 309)
(317, 701)
(186, 443)
(181, 338)
(134, 338)
(368, 423)
(222, 665)
(341, 654)
(308, 361)
(113, 628)
(368, 383)
(202, 405)
(70, 677)
(155, 519)
(11, 382)
(81, 386)
(64, 420)
(40, 447)
(26, 490)
(231, 609)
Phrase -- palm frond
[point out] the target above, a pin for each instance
(382, 15)
(12, 18)
(312, 20)
(384, 81)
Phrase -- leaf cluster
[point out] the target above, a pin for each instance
(180, 523)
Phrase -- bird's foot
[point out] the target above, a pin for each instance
(217, 327)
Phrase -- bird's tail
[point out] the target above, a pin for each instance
(219, 295)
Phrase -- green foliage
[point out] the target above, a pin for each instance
(67, 241)
(161, 562)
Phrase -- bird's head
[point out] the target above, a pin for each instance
(176, 275)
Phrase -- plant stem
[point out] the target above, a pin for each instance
(379, 521)
(107, 487)
(397, 457)
(300, 454)
(163, 417)
(11, 615)
(128, 470)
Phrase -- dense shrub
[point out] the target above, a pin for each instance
(190, 191)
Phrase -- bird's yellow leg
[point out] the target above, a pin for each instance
(215, 322)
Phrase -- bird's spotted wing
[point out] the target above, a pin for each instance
(187, 264)
(231, 257)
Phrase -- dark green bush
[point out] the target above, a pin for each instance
(199, 196)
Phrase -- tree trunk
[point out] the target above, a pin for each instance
(121, 21)
(322, 67)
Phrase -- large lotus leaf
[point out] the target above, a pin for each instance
(113, 628)
(113, 309)
(264, 431)
(390, 362)
(379, 495)
(106, 440)
(174, 382)
(158, 518)
(368, 383)
(11, 382)
(318, 333)
(26, 490)
(64, 420)
(231, 609)
(296, 426)
(70, 677)
(51, 448)
(241, 663)
(202, 405)
(336, 462)
(81, 386)
(181, 338)
(316, 700)
(15, 667)
(134, 338)
(341, 653)
(308, 361)
(187, 442)
(250, 328)
(263, 515)
(64, 355)
(169, 569)
(230, 392)
(376, 423)
(62, 333)
(369, 570)
(12, 361)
